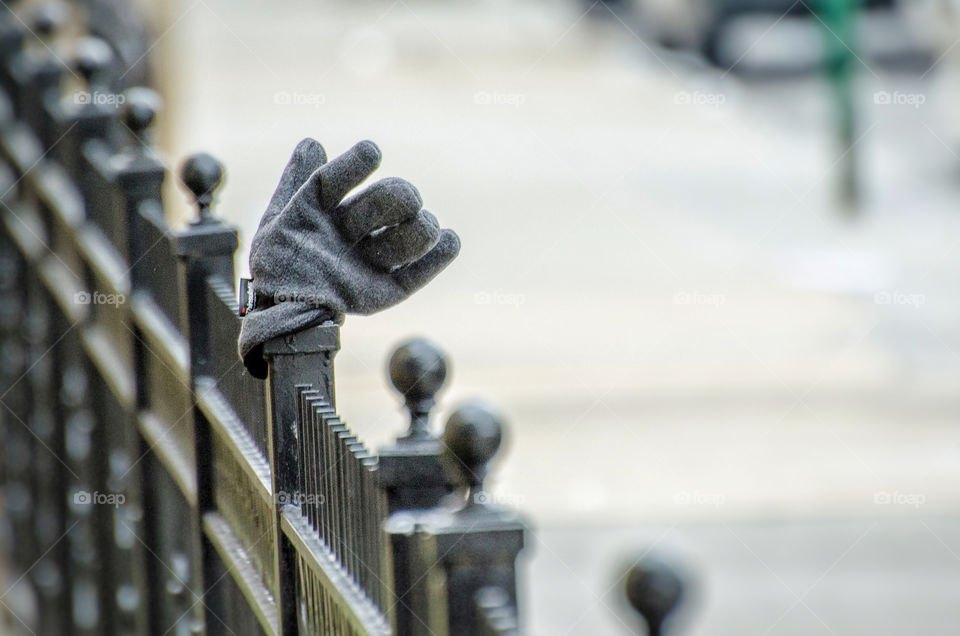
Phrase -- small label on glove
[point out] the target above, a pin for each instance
(248, 298)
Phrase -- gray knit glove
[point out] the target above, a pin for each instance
(316, 256)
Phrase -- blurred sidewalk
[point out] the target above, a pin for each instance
(824, 578)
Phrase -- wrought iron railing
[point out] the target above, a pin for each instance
(150, 485)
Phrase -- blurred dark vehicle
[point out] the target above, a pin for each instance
(779, 36)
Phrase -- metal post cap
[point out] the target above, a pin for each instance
(49, 17)
(91, 57)
(654, 589)
(472, 436)
(418, 369)
(202, 174)
(140, 108)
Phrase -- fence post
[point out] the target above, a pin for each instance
(411, 473)
(12, 35)
(296, 360)
(136, 179)
(21, 501)
(464, 551)
(410, 469)
(35, 493)
(301, 359)
(64, 387)
(75, 118)
(205, 249)
(35, 72)
(140, 176)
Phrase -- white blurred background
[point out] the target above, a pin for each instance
(696, 347)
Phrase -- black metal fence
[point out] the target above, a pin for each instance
(150, 484)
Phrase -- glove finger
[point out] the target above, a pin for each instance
(421, 271)
(307, 157)
(401, 244)
(387, 202)
(333, 180)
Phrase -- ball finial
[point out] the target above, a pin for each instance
(654, 590)
(418, 370)
(140, 107)
(49, 17)
(202, 174)
(472, 437)
(91, 57)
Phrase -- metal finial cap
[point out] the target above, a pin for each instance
(472, 435)
(91, 57)
(140, 107)
(202, 174)
(655, 590)
(418, 369)
(49, 17)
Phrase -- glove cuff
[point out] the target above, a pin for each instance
(281, 319)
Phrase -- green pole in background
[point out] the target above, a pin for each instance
(838, 19)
